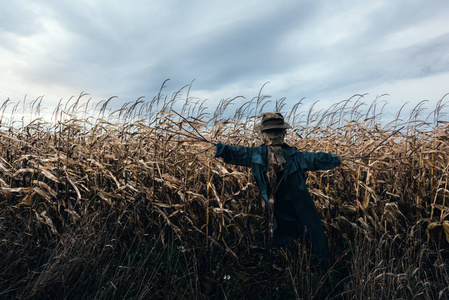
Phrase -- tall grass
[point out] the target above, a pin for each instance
(97, 202)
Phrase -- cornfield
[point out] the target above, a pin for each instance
(104, 203)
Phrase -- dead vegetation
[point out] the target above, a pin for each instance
(107, 204)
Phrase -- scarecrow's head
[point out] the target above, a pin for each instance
(272, 128)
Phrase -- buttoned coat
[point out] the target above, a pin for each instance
(294, 211)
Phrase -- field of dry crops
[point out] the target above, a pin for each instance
(101, 203)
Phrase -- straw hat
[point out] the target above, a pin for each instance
(272, 120)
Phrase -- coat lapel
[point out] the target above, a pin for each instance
(290, 165)
(260, 156)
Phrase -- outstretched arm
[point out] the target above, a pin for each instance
(235, 155)
(313, 161)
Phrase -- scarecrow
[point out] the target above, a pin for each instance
(280, 173)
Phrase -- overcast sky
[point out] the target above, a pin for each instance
(317, 50)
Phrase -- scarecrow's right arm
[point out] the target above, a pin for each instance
(235, 155)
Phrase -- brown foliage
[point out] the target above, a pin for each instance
(110, 185)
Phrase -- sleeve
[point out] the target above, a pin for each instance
(313, 161)
(235, 155)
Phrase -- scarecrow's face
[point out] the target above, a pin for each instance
(273, 137)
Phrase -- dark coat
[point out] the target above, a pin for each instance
(294, 210)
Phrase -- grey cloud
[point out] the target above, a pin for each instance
(357, 62)
(106, 44)
(18, 19)
(246, 49)
(129, 49)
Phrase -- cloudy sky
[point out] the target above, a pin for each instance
(317, 50)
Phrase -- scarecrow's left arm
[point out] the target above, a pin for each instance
(313, 161)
